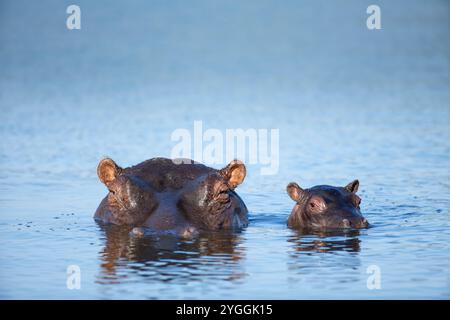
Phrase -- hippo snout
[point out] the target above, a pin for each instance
(355, 223)
(365, 223)
(346, 223)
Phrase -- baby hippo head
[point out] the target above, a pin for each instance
(130, 199)
(211, 199)
(326, 207)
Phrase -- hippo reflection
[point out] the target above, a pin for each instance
(323, 253)
(163, 254)
(330, 241)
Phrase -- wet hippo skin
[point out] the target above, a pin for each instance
(177, 195)
(326, 207)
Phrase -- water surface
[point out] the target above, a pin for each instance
(349, 103)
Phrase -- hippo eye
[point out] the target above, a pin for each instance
(356, 201)
(317, 204)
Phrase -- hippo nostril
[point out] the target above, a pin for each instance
(346, 223)
(365, 222)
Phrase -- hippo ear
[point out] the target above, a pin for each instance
(107, 171)
(234, 172)
(352, 186)
(294, 191)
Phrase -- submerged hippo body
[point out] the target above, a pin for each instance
(326, 207)
(173, 195)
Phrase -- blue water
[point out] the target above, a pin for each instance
(348, 102)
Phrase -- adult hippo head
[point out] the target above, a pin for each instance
(172, 195)
(326, 207)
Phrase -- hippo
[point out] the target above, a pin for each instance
(326, 207)
(175, 195)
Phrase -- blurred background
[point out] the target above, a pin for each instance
(349, 103)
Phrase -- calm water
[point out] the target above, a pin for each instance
(349, 103)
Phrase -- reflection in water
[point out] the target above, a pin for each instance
(166, 257)
(324, 254)
(330, 241)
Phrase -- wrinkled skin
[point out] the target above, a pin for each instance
(172, 195)
(326, 207)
